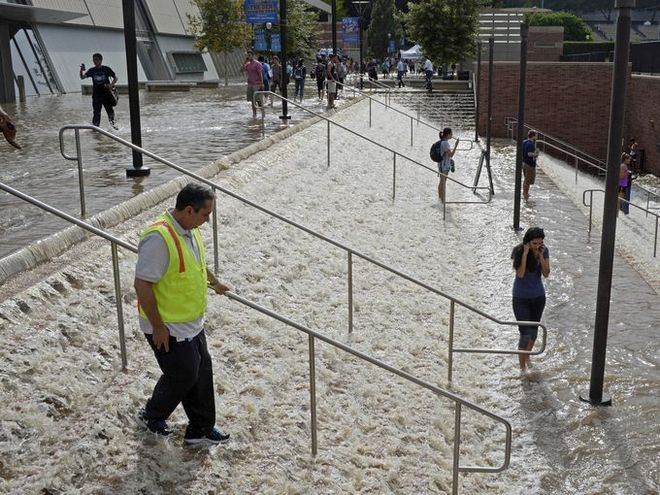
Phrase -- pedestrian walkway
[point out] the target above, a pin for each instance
(67, 411)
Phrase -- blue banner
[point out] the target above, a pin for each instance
(260, 40)
(260, 11)
(275, 43)
(350, 27)
(390, 47)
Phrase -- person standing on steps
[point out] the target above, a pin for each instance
(299, 74)
(428, 74)
(331, 75)
(103, 86)
(531, 259)
(171, 282)
(401, 69)
(529, 155)
(446, 163)
(624, 179)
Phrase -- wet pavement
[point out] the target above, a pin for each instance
(190, 129)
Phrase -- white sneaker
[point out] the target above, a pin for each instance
(114, 125)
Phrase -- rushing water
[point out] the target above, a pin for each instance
(66, 413)
(190, 129)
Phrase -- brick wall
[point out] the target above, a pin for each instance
(642, 107)
(569, 101)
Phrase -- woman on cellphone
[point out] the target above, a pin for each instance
(530, 261)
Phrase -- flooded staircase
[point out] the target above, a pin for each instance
(444, 107)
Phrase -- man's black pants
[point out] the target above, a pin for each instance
(104, 101)
(187, 379)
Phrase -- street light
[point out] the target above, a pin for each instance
(361, 7)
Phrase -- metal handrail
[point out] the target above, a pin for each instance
(590, 205)
(395, 153)
(349, 251)
(458, 401)
(591, 161)
(576, 161)
(411, 117)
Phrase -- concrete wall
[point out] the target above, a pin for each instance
(69, 46)
(545, 43)
(643, 118)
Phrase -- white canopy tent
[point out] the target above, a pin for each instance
(414, 53)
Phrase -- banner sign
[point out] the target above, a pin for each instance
(260, 11)
(260, 40)
(390, 47)
(275, 43)
(350, 27)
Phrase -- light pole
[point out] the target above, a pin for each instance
(361, 7)
(269, 26)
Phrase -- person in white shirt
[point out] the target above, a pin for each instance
(428, 73)
(401, 69)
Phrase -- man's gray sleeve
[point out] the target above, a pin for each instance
(153, 258)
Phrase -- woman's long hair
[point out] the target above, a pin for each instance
(516, 255)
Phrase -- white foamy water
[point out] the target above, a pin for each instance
(66, 415)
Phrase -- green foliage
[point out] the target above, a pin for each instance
(575, 29)
(576, 47)
(445, 29)
(384, 20)
(302, 35)
(220, 26)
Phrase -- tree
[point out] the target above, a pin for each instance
(384, 21)
(220, 26)
(302, 35)
(575, 29)
(445, 29)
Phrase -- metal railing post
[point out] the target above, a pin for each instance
(328, 144)
(369, 112)
(81, 180)
(215, 236)
(120, 311)
(450, 353)
(655, 241)
(457, 448)
(576, 169)
(591, 203)
(411, 132)
(350, 292)
(648, 203)
(312, 394)
(394, 177)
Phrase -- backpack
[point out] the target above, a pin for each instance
(435, 151)
(320, 71)
(298, 72)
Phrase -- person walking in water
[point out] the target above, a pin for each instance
(299, 74)
(255, 80)
(624, 178)
(531, 259)
(171, 284)
(103, 85)
(529, 162)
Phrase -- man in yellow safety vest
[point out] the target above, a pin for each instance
(171, 282)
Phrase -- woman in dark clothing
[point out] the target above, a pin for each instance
(530, 261)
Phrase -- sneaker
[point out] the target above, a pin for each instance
(114, 125)
(157, 426)
(214, 437)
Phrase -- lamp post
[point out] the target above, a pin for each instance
(269, 26)
(361, 7)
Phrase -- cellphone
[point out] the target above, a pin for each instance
(82, 66)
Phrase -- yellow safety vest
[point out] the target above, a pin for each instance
(181, 292)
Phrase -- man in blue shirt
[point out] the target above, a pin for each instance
(529, 154)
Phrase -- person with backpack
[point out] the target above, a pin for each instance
(299, 74)
(267, 72)
(276, 79)
(401, 69)
(331, 75)
(442, 154)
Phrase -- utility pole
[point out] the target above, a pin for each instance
(524, 30)
(334, 26)
(128, 9)
(596, 395)
(283, 30)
